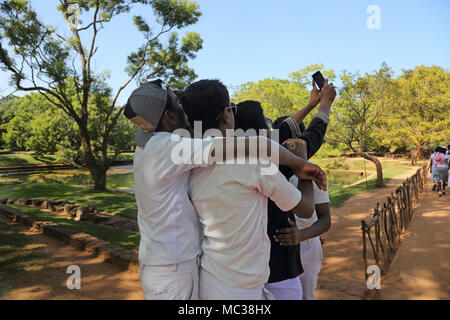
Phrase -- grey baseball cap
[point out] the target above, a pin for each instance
(149, 102)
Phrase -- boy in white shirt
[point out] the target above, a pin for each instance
(306, 232)
(168, 223)
(231, 201)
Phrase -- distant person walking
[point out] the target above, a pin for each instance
(433, 168)
(441, 171)
(447, 154)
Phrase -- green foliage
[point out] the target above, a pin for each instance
(32, 123)
(36, 55)
(420, 112)
(328, 150)
(281, 97)
(358, 109)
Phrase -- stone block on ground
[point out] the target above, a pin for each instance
(45, 204)
(70, 209)
(36, 202)
(81, 214)
(23, 201)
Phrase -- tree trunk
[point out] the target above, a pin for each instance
(378, 166)
(96, 168)
(413, 158)
(99, 176)
(417, 154)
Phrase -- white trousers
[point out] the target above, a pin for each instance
(212, 288)
(170, 282)
(290, 289)
(311, 257)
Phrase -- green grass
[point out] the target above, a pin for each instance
(15, 259)
(113, 203)
(125, 156)
(356, 163)
(390, 170)
(127, 240)
(29, 158)
(26, 158)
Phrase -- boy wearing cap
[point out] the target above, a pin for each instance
(168, 222)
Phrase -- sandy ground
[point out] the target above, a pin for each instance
(421, 267)
(342, 275)
(99, 280)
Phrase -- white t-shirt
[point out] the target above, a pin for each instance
(168, 222)
(231, 201)
(320, 196)
(433, 164)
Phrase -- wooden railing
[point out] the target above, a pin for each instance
(381, 236)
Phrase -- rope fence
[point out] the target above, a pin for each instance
(381, 236)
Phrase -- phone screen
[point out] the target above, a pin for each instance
(319, 79)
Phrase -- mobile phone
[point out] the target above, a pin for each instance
(319, 79)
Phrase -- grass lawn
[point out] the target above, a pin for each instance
(15, 257)
(391, 168)
(27, 158)
(125, 156)
(113, 203)
(127, 240)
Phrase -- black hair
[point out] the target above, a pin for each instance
(250, 115)
(437, 149)
(204, 100)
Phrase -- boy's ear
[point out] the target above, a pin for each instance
(143, 124)
(226, 114)
(223, 116)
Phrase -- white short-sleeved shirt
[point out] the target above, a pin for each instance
(231, 201)
(168, 222)
(433, 164)
(320, 196)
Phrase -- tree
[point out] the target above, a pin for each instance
(357, 111)
(282, 97)
(420, 112)
(6, 105)
(32, 123)
(41, 59)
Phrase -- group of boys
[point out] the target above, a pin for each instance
(215, 223)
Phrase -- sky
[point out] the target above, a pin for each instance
(249, 40)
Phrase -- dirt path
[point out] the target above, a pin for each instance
(421, 267)
(342, 275)
(45, 277)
